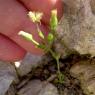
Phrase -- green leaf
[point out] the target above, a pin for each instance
(53, 20)
(41, 46)
(28, 37)
(60, 78)
(57, 56)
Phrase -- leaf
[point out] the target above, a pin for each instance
(60, 77)
(41, 46)
(57, 56)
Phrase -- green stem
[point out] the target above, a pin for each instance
(58, 67)
(52, 53)
(58, 71)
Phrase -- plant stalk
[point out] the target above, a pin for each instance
(58, 71)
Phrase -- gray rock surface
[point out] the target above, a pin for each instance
(36, 87)
(49, 89)
(11, 91)
(84, 71)
(32, 88)
(76, 30)
(7, 76)
(28, 63)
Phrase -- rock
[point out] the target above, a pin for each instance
(85, 73)
(11, 91)
(36, 87)
(93, 5)
(7, 76)
(49, 89)
(32, 88)
(76, 30)
(28, 63)
(73, 4)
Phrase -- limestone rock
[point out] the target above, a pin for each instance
(11, 91)
(28, 63)
(7, 76)
(49, 89)
(93, 5)
(76, 30)
(32, 88)
(36, 87)
(85, 73)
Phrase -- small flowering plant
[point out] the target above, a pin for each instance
(36, 17)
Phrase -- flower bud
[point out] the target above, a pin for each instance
(53, 20)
